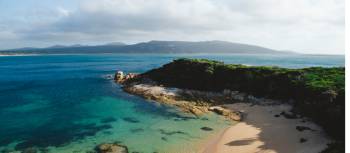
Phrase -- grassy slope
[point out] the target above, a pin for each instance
(317, 92)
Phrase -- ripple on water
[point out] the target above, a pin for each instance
(111, 120)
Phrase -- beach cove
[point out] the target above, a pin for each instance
(199, 86)
(264, 126)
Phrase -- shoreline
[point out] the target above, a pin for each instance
(210, 145)
(261, 131)
(187, 100)
(266, 126)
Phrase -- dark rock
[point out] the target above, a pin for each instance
(137, 130)
(107, 132)
(30, 150)
(45, 136)
(236, 116)
(184, 118)
(7, 150)
(44, 150)
(302, 140)
(289, 115)
(164, 138)
(277, 115)
(108, 120)
(206, 129)
(171, 132)
(131, 120)
(302, 128)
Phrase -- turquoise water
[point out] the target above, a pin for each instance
(66, 103)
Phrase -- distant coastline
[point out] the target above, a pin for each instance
(169, 47)
(19, 54)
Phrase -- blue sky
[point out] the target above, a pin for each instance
(307, 26)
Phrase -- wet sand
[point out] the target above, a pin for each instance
(261, 131)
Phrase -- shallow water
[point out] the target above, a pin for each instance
(66, 103)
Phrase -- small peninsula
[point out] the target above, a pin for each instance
(278, 109)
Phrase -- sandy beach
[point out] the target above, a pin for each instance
(263, 128)
(261, 131)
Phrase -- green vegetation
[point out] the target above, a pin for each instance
(316, 92)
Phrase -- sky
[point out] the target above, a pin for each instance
(305, 26)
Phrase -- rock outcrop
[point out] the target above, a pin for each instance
(111, 148)
(191, 101)
(119, 76)
(165, 95)
(236, 116)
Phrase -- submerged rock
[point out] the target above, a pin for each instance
(136, 130)
(206, 129)
(7, 150)
(108, 120)
(111, 148)
(131, 120)
(30, 150)
(164, 138)
(162, 131)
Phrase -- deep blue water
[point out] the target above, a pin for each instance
(66, 103)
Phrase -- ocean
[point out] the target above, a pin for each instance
(69, 103)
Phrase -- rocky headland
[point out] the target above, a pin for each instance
(191, 101)
(267, 101)
(260, 120)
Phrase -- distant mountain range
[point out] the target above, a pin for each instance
(209, 47)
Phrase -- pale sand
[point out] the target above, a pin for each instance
(261, 132)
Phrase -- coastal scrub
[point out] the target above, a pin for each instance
(316, 92)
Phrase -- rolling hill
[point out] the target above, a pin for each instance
(209, 47)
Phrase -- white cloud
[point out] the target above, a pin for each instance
(63, 12)
(310, 26)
